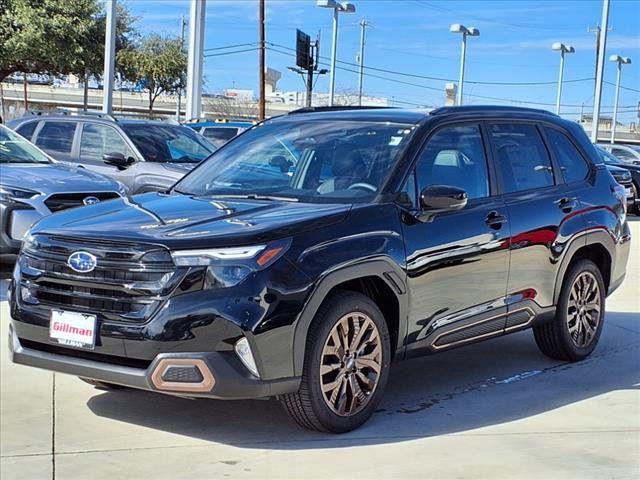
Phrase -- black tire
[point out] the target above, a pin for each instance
(553, 338)
(308, 406)
(102, 385)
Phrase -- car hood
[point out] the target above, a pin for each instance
(182, 221)
(616, 170)
(178, 170)
(54, 177)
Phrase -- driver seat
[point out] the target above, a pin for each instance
(347, 169)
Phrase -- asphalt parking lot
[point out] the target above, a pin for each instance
(493, 410)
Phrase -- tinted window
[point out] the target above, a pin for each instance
(455, 156)
(98, 139)
(573, 165)
(219, 135)
(57, 136)
(623, 154)
(521, 157)
(27, 129)
(167, 143)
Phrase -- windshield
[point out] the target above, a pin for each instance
(15, 149)
(318, 161)
(168, 143)
(608, 157)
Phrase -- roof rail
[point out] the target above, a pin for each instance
(334, 108)
(64, 111)
(487, 108)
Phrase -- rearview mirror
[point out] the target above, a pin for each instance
(441, 198)
(117, 159)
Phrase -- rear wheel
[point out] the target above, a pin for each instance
(576, 328)
(346, 365)
(101, 385)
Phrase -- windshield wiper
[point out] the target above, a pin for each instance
(254, 196)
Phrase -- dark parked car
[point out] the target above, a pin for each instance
(626, 153)
(626, 174)
(144, 155)
(310, 252)
(219, 132)
(32, 186)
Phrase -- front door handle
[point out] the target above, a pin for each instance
(495, 220)
(567, 204)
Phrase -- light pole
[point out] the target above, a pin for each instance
(562, 48)
(363, 25)
(338, 7)
(620, 61)
(472, 32)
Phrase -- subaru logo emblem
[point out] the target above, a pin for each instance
(82, 262)
(90, 200)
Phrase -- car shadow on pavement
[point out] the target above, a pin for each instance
(486, 384)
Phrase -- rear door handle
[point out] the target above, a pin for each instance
(567, 204)
(495, 220)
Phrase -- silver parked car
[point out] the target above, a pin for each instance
(145, 155)
(32, 185)
(626, 153)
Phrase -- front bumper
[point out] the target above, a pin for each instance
(229, 379)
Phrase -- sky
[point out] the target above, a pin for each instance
(412, 39)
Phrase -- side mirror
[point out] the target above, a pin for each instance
(117, 159)
(440, 198)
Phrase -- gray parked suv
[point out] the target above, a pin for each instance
(32, 186)
(144, 155)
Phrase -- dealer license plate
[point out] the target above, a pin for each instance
(73, 329)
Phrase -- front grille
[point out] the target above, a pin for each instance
(128, 284)
(62, 201)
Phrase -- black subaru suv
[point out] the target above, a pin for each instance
(314, 249)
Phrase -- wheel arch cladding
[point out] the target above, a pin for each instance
(598, 254)
(378, 280)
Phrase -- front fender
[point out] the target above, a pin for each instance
(381, 267)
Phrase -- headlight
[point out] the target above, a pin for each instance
(11, 194)
(227, 267)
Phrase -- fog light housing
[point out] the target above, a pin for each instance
(243, 350)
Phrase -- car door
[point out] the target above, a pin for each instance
(541, 206)
(56, 137)
(457, 263)
(96, 140)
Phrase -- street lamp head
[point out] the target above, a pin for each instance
(342, 7)
(458, 28)
(619, 59)
(347, 7)
(327, 3)
(563, 48)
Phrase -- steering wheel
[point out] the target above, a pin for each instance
(362, 185)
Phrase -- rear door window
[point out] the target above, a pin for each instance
(27, 129)
(574, 167)
(521, 157)
(57, 136)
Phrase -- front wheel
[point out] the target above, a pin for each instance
(346, 365)
(574, 332)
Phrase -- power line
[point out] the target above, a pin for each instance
(485, 97)
(444, 79)
(226, 47)
(231, 53)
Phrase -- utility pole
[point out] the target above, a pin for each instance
(261, 113)
(363, 25)
(602, 46)
(24, 86)
(109, 57)
(194, 64)
(183, 23)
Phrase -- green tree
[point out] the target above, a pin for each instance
(55, 36)
(158, 62)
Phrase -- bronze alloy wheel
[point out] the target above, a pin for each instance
(584, 309)
(351, 363)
